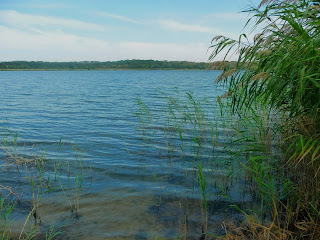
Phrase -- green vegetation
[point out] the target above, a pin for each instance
(117, 65)
(280, 70)
(33, 171)
(261, 139)
(273, 140)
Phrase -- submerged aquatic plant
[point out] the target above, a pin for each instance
(34, 171)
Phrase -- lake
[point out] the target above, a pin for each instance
(130, 189)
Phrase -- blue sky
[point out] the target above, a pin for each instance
(107, 30)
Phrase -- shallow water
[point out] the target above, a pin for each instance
(130, 190)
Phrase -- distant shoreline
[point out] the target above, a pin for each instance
(112, 66)
(111, 69)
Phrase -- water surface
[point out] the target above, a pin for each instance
(130, 191)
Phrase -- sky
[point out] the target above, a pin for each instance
(110, 30)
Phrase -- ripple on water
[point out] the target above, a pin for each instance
(131, 191)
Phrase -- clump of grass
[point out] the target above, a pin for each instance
(279, 69)
(190, 136)
(35, 170)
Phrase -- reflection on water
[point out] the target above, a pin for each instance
(132, 188)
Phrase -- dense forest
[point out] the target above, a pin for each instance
(124, 64)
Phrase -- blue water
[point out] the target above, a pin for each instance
(130, 192)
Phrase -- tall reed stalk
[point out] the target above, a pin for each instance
(279, 69)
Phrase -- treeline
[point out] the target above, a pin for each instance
(123, 64)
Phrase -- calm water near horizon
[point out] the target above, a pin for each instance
(130, 190)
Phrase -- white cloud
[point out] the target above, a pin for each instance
(230, 17)
(165, 51)
(32, 37)
(21, 20)
(39, 45)
(49, 5)
(18, 44)
(172, 25)
(176, 26)
(118, 17)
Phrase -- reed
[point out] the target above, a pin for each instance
(273, 142)
(279, 69)
(189, 135)
(34, 170)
